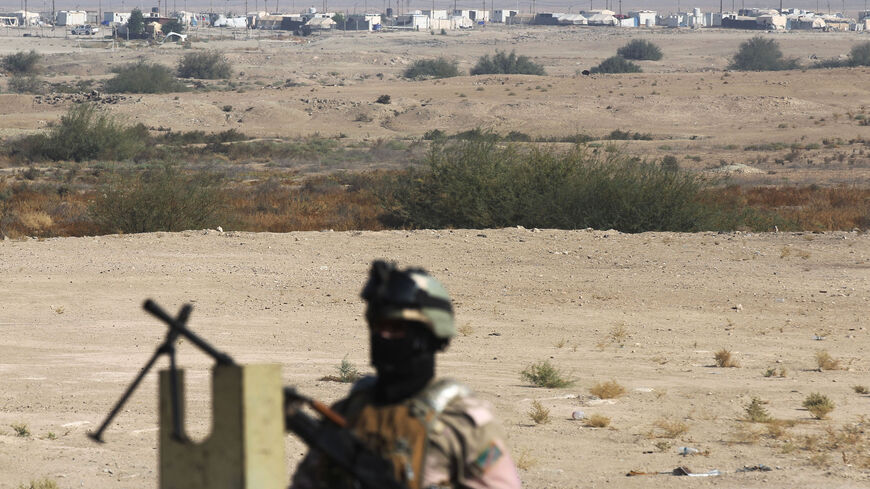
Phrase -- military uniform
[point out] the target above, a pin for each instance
(462, 445)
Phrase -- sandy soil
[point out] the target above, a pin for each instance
(74, 335)
(686, 101)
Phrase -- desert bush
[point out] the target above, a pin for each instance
(347, 373)
(596, 421)
(544, 374)
(607, 390)
(861, 389)
(760, 54)
(172, 26)
(83, 133)
(20, 429)
(616, 64)
(159, 199)
(538, 413)
(618, 134)
(508, 64)
(478, 183)
(640, 49)
(432, 68)
(39, 484)
(825, 361)
(818, 405)
(724, 359)
(25, 84)
(860, 54)
(383, 99)
(669, 428)
(756, 412)
(21, 63)
(207, 65)
(143, 78)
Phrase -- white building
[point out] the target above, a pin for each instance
(436, 14)
(503, 16)
(116, 17)
(645, 18)
(71, 17)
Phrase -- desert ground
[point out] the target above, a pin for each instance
(645, 310)
(648, 311)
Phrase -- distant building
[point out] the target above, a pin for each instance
(110, 18)
(504, 16)
(645, 18)
(361, 22)
(71, 17)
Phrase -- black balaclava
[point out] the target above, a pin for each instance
(404, 365)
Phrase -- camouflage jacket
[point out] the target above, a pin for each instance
(464, 446)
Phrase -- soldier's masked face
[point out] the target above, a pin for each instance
(403, 353)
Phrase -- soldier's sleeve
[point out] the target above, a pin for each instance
(467, 449)
(305, 475)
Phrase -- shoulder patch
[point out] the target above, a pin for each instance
(488, 457)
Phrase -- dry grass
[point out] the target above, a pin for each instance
(538, 413)
(724, 359)
(597, 421)
(860, 389)
(607, 390)
(39, 484)
(825, 361)
(756, 412)
(466, 329)
(669, 428)
(774, 372)
(818, 405)
(746, 435)
(20, 429)
(524, 460)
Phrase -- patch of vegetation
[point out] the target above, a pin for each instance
(761, 54)
(818, 405)
(20, 429)
(163, 198)
(432, 68)
(143, 77)
(21, 63)
(347, 373)
(724, 359)
(596, 421)
(480, 184)
(825, 361)
(25, 84)
(861, 389)
(206, 65)
(860, 54)
(669, 428)
(617, 134)
(84, 133)
(756, 412)
(508, 64)
(383, 99)
(616, 64)
(39, 484)
(640, 49)
(544, 374)
(136, 23)
(538, 413)
(173, 25)
(607, 390)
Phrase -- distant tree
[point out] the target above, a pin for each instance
(760, 54)
(432, 68)
(136, 23)
(616, 64)
(172, 26)
(507, 64)
(860, 54)
(21, 63)
(339, 19)
(640, 49)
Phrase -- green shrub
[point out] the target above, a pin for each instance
(21, 63)
(83, 133)
(640, 49)
(760, 54)
(25, 84)
(207, 65)
(39, 484)
(508, 64)
(860, 54)
(432, 68)
(818, 405)
(143, 78)
(616, 64)
(136, 23)
(159, 199)
(477, 183)
(544, 374)
(756, 412)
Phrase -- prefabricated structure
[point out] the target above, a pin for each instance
(713, 19)
(805, 22)
(773, 22)
(475, 15)
(8, 21)
(110, 18)
(625, 21)
(436, 14)
(71, 17)
(361, 22)
(414, 21)
(645, 18)
(547, 18)
(503, 16)
(25, 18)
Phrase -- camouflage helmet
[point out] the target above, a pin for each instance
(411, 294)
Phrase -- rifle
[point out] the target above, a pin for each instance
(329, 436)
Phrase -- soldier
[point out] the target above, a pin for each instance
(435, 432)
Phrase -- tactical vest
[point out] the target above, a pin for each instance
(398, 432)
